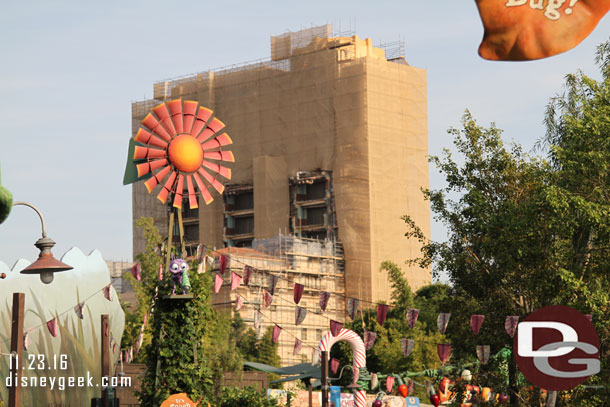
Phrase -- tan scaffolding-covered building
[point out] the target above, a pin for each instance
(330, 141)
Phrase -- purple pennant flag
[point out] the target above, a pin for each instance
(297, 346)
(223, 262)
(239, 302)
(369, 339)
(139, 341)
(53, 327)
(442, 321)
(510, 325)
(136, 271)
(352, 307)
(235, 281)
(382, 312)
(444, 351)
(324, 297)
(276, 332)
(272, 283)
(483, 353)
(335, 327)
(78, 309)
(407, 346)
(257, 319)
(108, 292)
(299, 315)
(217, 283)
(334, 365)
(247, 275)
(476, 321)
(389, 383)
(412, 315)
(267, 299)
(298, 292)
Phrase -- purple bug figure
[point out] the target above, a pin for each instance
(180, 276)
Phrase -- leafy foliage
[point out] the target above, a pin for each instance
(249, 396)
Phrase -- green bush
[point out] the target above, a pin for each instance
(248, 396)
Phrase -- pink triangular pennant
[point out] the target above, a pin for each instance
(78, 309)
(53, 327)
(235, 281)
(267, 299)
(324, 297)
(217, 283)
(276, 332)
(160, 272)
(200, 268)
(382, 312)
(139, 342)
(222, 264)
(298, 292)
(444, 351)
(476, 321)
(297, 346)
(107, 292)
(257, 319)
(389, 383)
(130, 353)
(239, 302)
(247, 275)
(315, 356)
(412, 315)
(510, 325)
(352, 307)
(114, 347)
(442, 321)
(334, 365)
(299, 315)
(369, 339)
(200, 253)
(136, 271)
(145, 320)
(483, 353)
(335, 327)
(272, 283)
(407, 346)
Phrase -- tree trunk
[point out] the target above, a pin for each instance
(512, 382)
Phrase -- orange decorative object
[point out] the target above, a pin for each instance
(181, 400)
(519, 30)
(181, 145)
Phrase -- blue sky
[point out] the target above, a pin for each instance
(70, 70)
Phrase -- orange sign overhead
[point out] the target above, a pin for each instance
(179, 400)
(519, 30)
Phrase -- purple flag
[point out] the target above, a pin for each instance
(444, 351)
(369, 339)
(352, 307)
(407, 346)
(483, 353)
(297, 346)
(412, 315)
(235, 281)
(442, 321)
(108, 292)
(223, 262)
(217, 283)
(334, 365)
(257, 319)
(276, 332)
(78, 309)
(136, 271)
(298, 292)
(53, 327)
(299, 315)
(272, 283)
(324, 297)
(335, 327)
(239, 302)
(510, 325)
(476, 321)
(247, 274)
(382, 312)
(267, 299)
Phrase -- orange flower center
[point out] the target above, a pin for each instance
(185, 153)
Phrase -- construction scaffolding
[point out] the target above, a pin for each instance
(322, 104)
(318, 265)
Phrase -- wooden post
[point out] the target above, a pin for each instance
(14, 393)
(105, 357)
(551, 398)
(324, 379)
(310, 389)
